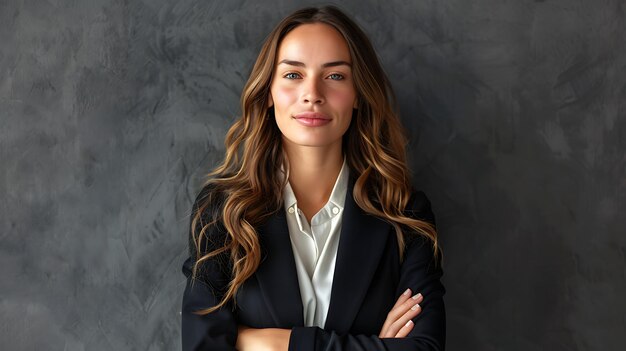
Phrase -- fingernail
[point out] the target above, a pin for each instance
(408, 323)
(416, 296)
(408, 291)
(414, 308)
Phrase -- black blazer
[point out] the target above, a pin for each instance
(368, 280)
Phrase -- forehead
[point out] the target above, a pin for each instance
(315, 42)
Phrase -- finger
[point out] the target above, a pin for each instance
(405, 330)
(402, 308)
(405, 296)
(392, 316)
(398, 311)
(401, 321)
(395, 327)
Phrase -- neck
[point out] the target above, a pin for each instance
(313, 172)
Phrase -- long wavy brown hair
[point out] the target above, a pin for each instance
(248, 181)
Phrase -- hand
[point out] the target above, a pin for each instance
(398, 323)
(265, 339)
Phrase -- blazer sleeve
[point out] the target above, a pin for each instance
(217, 330)
(419, 271)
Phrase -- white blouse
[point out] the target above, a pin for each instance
(315, 248)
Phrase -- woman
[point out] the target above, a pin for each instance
(309, 236)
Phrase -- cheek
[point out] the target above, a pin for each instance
(283, 96)
(344, 98)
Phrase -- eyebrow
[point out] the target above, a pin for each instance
(325, 65)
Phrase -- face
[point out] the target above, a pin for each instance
(312, 89)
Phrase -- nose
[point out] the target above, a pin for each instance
(312, 92)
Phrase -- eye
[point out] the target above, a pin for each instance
(291, 75)
(336, 76)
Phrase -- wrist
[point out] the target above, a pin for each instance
(281, 337)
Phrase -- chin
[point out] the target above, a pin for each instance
(311, 142)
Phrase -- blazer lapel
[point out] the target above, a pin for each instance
(361, 244)
(277, 275)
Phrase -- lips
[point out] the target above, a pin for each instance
(312, 119)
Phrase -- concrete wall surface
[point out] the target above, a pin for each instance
(111, 113)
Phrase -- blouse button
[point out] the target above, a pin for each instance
(335, 210)
(291, 210)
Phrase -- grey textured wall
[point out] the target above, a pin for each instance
(112, 111)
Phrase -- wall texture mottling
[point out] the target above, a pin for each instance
(111, 112)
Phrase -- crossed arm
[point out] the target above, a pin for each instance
(397, 325)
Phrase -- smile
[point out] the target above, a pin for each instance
(312, 119)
